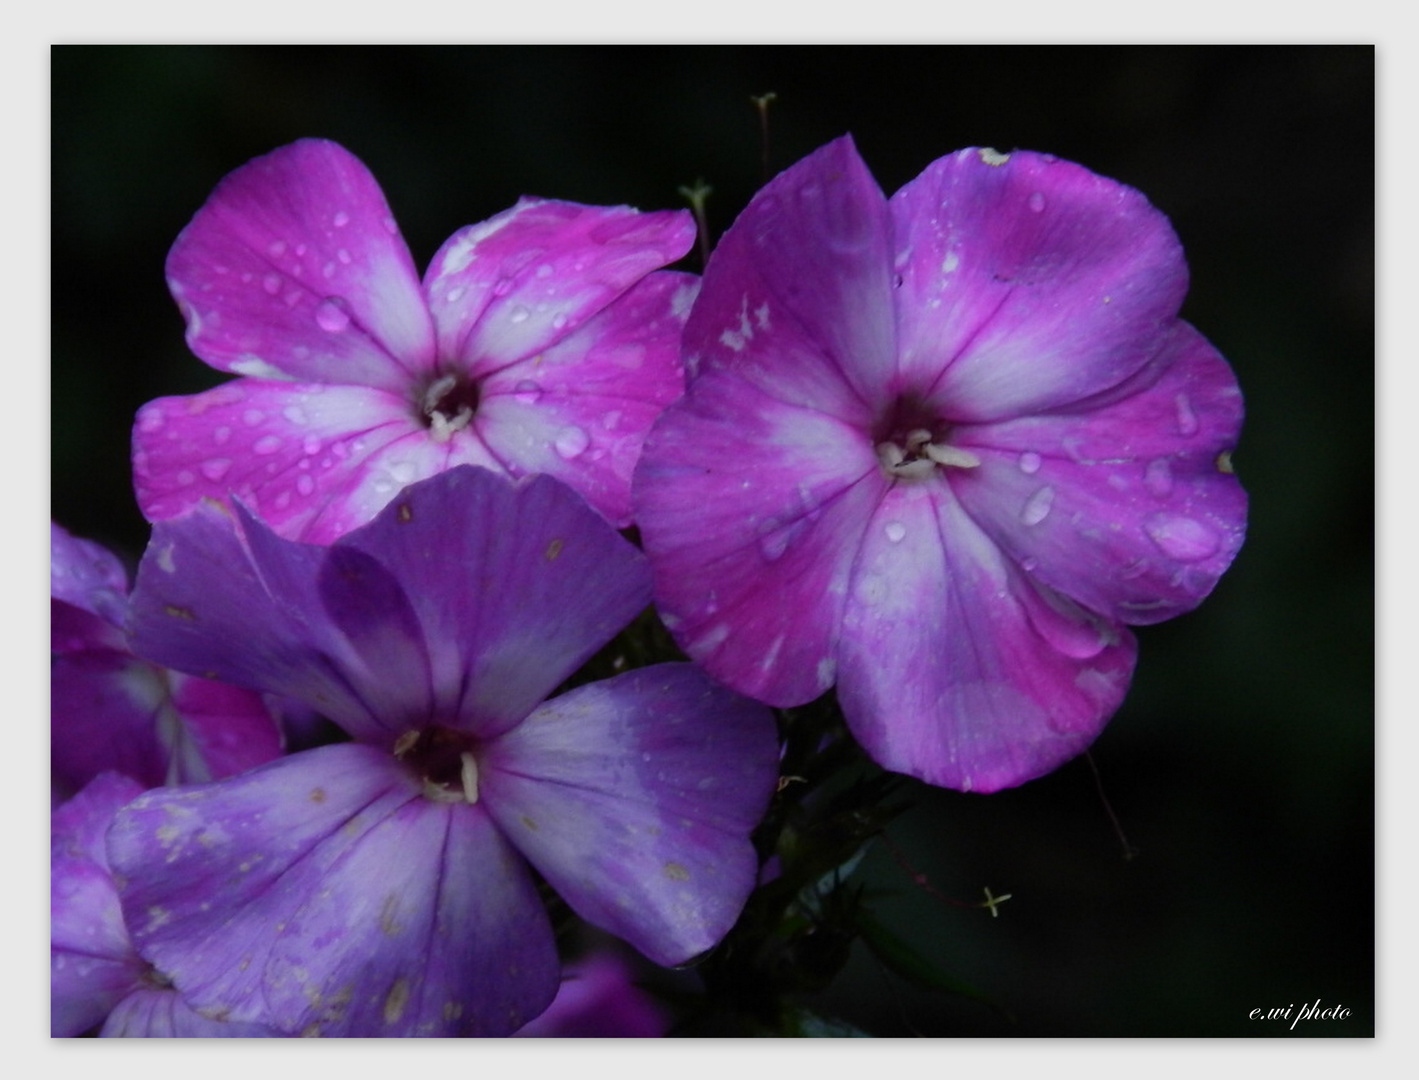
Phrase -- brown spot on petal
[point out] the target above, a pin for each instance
(554, 549)
(180, 612)
(675, 872)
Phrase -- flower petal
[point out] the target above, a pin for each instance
(956, 668)
(245, 607)
(580, 410)
(325, 895)
(515, 586)
(1130, 507)
(1027, 283)
(797, 296)
(508, 288)
(92, 962)
(751, 512)
(295, 267)
(635, 798)
(309, 459)
(87, 576)
(150, 1013)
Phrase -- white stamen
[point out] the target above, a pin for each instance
(436, 391)
(952, 455)
(442, 428)
(470, 777)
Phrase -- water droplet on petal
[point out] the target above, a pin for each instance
(1187, 419)
(558, 321)
(519, 314)
(267, 444)
(571, 442)
(1037, 506)
(895, 531)
(331, 316)
(503, 287)
(1182, 538)
(271, 283)
(277, 248)
(311, 445)
(1029, 463)
(216, 468)
(304, 484)
(1037, 202)
(341, 219)
(1158, 478)
(294, 413)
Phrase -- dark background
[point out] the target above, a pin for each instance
(1242, 765)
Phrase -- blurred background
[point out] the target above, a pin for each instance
(1241, 767)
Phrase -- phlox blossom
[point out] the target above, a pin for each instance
(384, 886)
(543, 340)
(941, 450)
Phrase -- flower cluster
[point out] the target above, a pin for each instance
(934, 453)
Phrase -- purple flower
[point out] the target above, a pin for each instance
(598, 999)
(540, 341)
(381, 886)
(95, 975)
(941, 449)
(110, 709)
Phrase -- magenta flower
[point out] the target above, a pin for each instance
(941, 450)
(381, 886)
(111, 709)
(96, 977)
(539, 342)
(598, 999)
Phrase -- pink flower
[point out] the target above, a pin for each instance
(540, 341)
(941, 450)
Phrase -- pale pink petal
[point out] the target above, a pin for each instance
(229, 729)
(580, 410)
(954, 666)
(634, 797)
(506, 289)
(1129, 507)
(751, 512)
(295, 267)
(305, 457)
(797, 296)
(1027, 283)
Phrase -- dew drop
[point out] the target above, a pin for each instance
(331, 317)
(1037, 202)
(252, 417)
(1030, 463)
(267, 444)
(311, 445)
(341, 219)
(454, 295)
(216, 468)
(1187, 419)
(343, 256)
(519, 314)
(295, 414)
(950, 263)
(503, 287)
(185, 477)
(277, 248)
(1158, 478)
(1182, 538)
(558, 321)
(271, 283)
(895, 531)
(1037, 506)
(304, 484)
(221, 435)
(773, 544)
(1029, 563)
(527, 392)
(571, 442)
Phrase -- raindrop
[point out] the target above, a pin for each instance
(271, 283)
(277, 248)
(1187, 419)
(503, 287)
(1037, 202)
(519, 314)
(895, 531)
(311, 445)
(1037, 506)
(558, 321)
(304, 484)
(216, 468)
(1182, 538)
(1158, 478)
(527, 392)
(331, 317)
(1030, 463)
(295, 414)
(341, 219)
(267, 444)
(571, 442)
